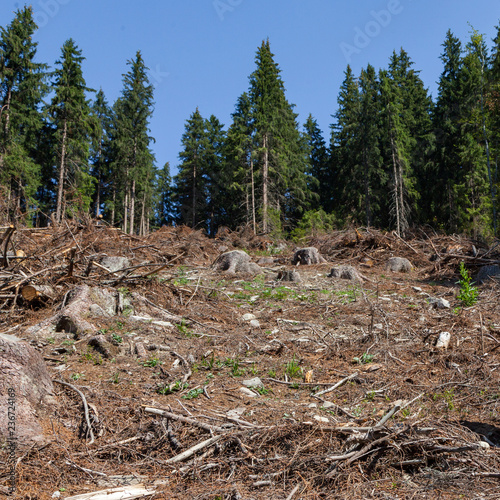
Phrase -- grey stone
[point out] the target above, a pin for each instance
(439, 303)
(253, 382)
(114, 263)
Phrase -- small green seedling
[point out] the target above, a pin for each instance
(468, 293)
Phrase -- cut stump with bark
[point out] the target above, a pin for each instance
(25, 385)
(398, 265)
(345, 273)
(236, 261)
(307, 256)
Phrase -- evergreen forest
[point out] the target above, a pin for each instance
(394, 157)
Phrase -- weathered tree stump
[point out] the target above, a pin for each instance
(345, 273)
(488, 272)
(236, 261)
(307, 256)
(285, 275)
(25, 383)
(398, 265)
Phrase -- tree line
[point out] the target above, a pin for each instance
(395, 157)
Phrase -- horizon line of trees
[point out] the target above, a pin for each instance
(395, 158)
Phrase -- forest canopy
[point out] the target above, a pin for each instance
(395, 157)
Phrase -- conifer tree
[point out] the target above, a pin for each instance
(133, 160)
(281, 151)
(69, 112)
(397, 147)
(239, 161)
(374, 178)
(164, 202)
(22, 87)
(346, 149)
(320, 178)
(189, 190)
(100, 148)
(447, 126)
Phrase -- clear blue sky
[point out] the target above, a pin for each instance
(201, 52)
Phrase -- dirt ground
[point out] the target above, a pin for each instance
(354, 399)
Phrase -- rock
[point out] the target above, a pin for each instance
(247, 392)
(254, 323)
(321, 419)
(328, 404)
(234, 262)
(345, 273)
(266, 261)
(488, 272)
(292, 275)
(307, 256)
(398, 265)
(248, 317)
(114, 263)
(25, 384)
(253, 382)
(439, 303)
(237, 412)
(312, 405)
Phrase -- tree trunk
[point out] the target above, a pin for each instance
(254, 224)
(367, 192)
(396, 194)
(114, 207)
(132, 207)
(125, 212)
(265, 182)
(62, 174)
(194, 194)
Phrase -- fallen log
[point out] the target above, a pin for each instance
(41, 292)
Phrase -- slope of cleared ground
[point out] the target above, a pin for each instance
(319, 388)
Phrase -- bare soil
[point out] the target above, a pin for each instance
(373, 339)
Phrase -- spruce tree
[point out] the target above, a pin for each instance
(190, 189)
(239, 166)
(100, 148)
(373, 175)
(447, 119)
(69, 113)
(22, 88)
(164, 202)
(320, 178)
(281, 157)
(133, 160)
(346, 150)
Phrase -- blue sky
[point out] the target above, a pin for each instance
(201, 52)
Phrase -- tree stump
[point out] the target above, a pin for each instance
(398, 265)
(345, 273)
(307, 256)
(488, 272)
(25, 381)
(285, 275)
(234, 262)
